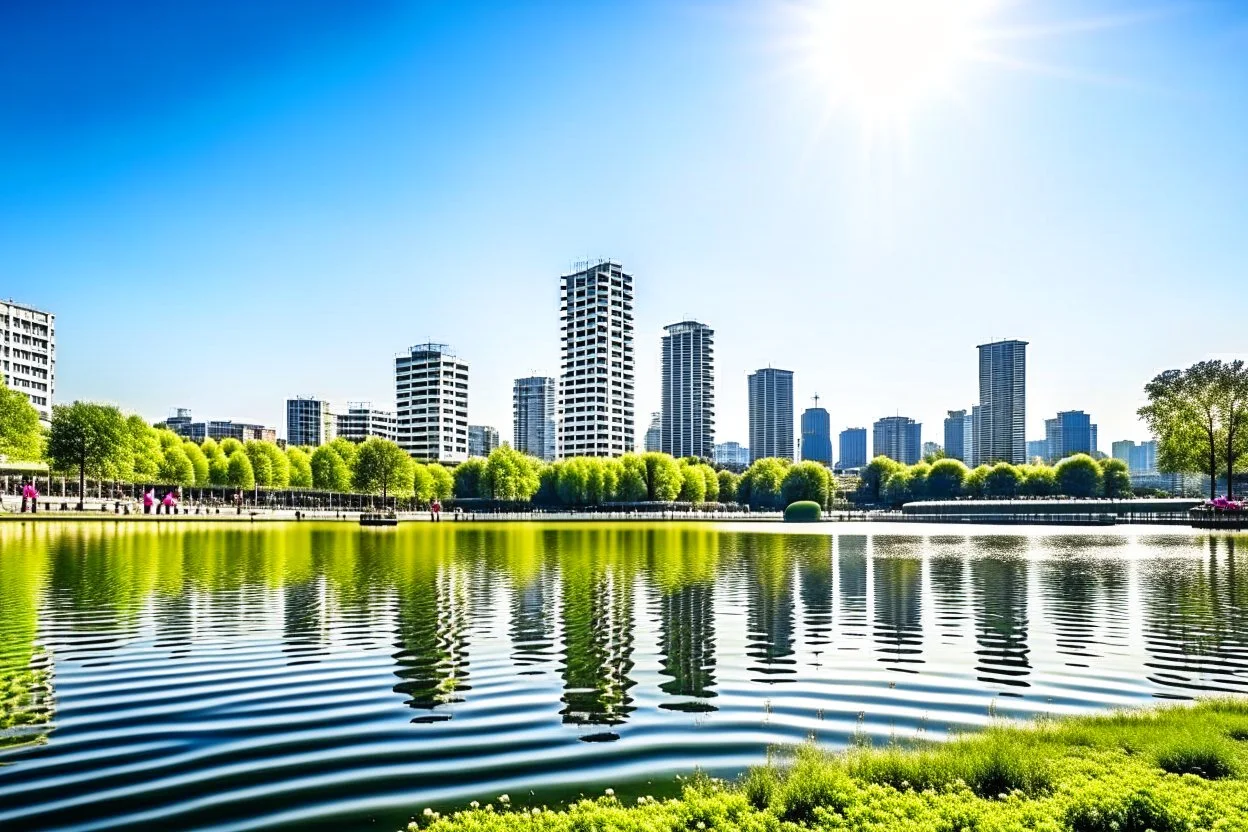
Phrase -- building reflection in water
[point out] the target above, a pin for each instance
(999, 595)
(769, 573)
(851, 578)
(898, 583)
(814, 558)
(433, 641)
(598, 644)
(947, 571)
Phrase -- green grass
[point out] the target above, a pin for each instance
(1173, 769)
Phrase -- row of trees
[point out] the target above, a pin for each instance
(886, 482)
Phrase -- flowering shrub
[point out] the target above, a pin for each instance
(1224, 504)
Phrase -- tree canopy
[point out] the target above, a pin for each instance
(21, 436)
(88, 437)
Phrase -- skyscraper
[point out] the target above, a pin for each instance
(1140, 459)
(653, 440)
(29, 337)
(309, 422)
(732, 454)
(999, 429)
(688, 390)
(898, 438)
(771, 414)
(817, 434)
(533, 416)
(853, 443)
(431, 390)
(482, 439)
(1070, 432)
(957, 430)
(595, 411)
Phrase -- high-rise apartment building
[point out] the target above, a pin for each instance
(1038, 449)
(595, 410)
(431, 391)
(999, 427)
(1141, 459)
(688, 390)
(361, 421)
(853, 442)
(1070, 432)
(732, 454)
(29, 342)
(898, 438)
(653, 440)
(957, 433)
(816, 434)
(771, 414)
(482, 439)
(309, 422)
(533, 416)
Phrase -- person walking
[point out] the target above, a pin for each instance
(25, 495)
(34, 499)
(149, 497)
(435, 509)
(168, 502)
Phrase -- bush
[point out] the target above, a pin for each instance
(803, 511)
(1207, 757)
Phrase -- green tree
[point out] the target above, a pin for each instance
(199, 462)
(470, 479)
(898, 487)
(443, 482)
(692, 483)
(300, 468)
(918, 480)
(229, 445)
(261, 464)
(760, 484)
(21, 436)
(728, 486)
(1200, 418)
(210, 448)
(663, 477)
(1004, 481)
(974, 485)
(90, 437)
(329, 472)
(176, 467)
(632, 486)
(219, 470)
(1039, 480)
(806, 481)
(874, 475)
(422, 483)
(279, 465)
(1078, 476)
(144, 452)
(382, 466)
(510, 475)
(167, 438)
(945, 479)
(240, 473)
(1115, 478)
(346, 450)
(712, 482)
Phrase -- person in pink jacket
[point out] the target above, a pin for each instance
(149, 498)
(168, 503)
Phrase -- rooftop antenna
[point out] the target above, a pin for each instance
(816, 400)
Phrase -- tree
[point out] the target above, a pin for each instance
(443, 482)
(1115, 478)
(874, 476)
(728, 484)
(1078, 476)
(346, 450)
(806, 481)
(422, 483)
(261, 464)
(219, 470)
(632, 485)
(279, 465)
(1039, 481)
(760, 484)
(897, 488)
(381, 465)
(21, 437)
(90, 437)
(176, 467)
(692, 483)
(918, 480)
(240, 473)
(329, 472)
(470, 479)
(712, 482)
(1200, 418)
(229, 445)
(1003, 481)
(167, 438)
(663, 478)
(945, 479)
(199, 462)
(300, 468)
(510, 475)
(144, 451)
(973, 485)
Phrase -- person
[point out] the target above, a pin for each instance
(435, 509)
(25, 495)
(34, 499)
(238, 501)
(149, 497)
(168, 501)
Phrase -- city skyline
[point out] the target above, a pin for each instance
(282, 189)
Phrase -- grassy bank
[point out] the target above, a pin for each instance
(1168, 770)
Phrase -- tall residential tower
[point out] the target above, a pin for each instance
(533, 416)
(1002, 418)
(431, 391)
(687, 426)
(771, 414)
(30, 354)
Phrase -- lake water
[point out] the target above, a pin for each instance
(309, 676)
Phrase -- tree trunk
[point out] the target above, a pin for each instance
(82, 484)
(1230, 458)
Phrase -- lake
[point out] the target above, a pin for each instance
(305, 676)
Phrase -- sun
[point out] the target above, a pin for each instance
(885, 58)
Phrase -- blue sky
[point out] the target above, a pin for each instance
(227, 206)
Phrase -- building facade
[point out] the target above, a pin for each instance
(482, 439)
(688, 390)
(957, 432)
(817, 435)
(771, 414)
(1038, 449)
(1141, 459)
(29, 359)
(898, 438)
(309, 422)
(361, 421)
(1070, 432)
(431, 394)
(533, 416)
(653, 440)
(1002, 418)
(732, 455)
(595, 409)
(184, 425)
(853, 442)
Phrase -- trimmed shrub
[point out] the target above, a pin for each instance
(803, 511)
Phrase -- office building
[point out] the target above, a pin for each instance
(688, 390)
(732, 455)
(898, 438)
(932, 449)
(482, 439)
(30, 354)
(853, 442)
(1070, 432)
(958, 434)
(999, 429)
(533, 416)
(1141, 459)
(361, 421)
(817, 434)
(595, 410)
(309, 422)
(184, 425)
(431, 393)
(653, 440)
(771, 414)
(1038, 449)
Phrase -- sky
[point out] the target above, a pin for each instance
(228, 204)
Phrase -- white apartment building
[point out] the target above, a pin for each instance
(595, 411)
(30, 353)
(361, 421)
(431, 393)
